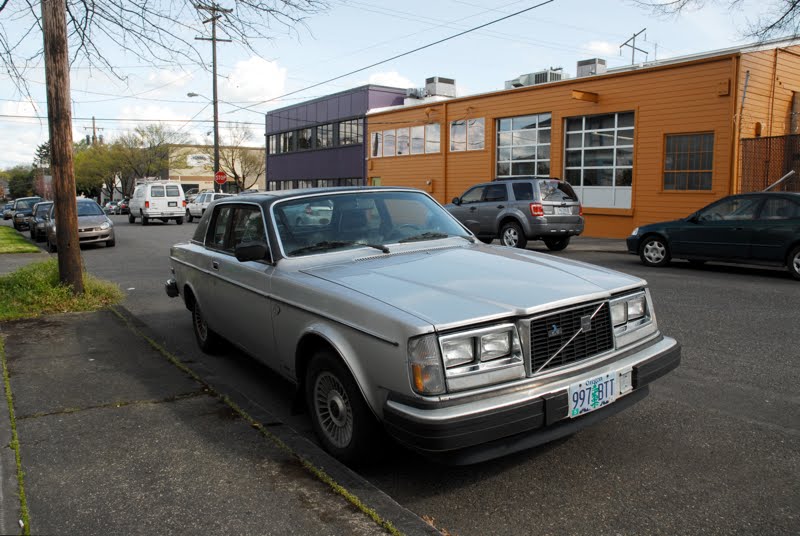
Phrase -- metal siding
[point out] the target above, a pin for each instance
(335, 163)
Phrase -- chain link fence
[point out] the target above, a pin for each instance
(766, 160)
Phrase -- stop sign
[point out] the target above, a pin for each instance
(220, 177)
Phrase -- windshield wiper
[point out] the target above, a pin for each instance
(334, 244)
(430, 235)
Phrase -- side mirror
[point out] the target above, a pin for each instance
(456, 201)
(251, 251)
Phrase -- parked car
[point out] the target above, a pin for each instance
(7, 211)
(123, 206)
(162, 200)
(111, 207)
(21, 211)
(197, 207)
(93, 225)
(391, 314)
(40, 219)
(519, 210)
(756, 228)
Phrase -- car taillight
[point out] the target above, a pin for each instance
(580, 210)
(537, 209)
(184, 202)
(147, 204)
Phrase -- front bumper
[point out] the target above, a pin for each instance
(171, 288)
(523, 418)
(633, 244)
(92, 237)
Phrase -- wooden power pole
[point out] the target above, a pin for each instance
(59, 118)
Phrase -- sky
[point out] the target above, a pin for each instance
(349, 35)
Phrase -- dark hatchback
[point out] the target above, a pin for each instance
(756, 228)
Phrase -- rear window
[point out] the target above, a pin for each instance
(173, 191)
(553, 190)
(156, 191)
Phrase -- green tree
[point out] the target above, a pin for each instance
(20, 181)
(94, 170)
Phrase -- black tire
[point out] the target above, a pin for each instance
(793, 262)
(145, 219)
(511, 235)
(179, 221)
(111, 243)
(486, 239)
(654, 251)
(189, 216)
(341, 418)
(50, 247)
(33, 233)
(206, 338)
(131, 218)
(556, 244)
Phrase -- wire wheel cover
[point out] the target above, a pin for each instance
(200, 326)
(333, 410)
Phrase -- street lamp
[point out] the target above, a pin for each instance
(216, 131)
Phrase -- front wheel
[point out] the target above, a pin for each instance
(189, 216)
(556, 244)
(111, 243)
(50, 246)
(131, 218)
(794, 263)
(339, 414)
(512, 236)
(654, 251)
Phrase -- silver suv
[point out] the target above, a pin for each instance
(518, 210)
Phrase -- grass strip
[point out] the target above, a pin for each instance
(36, 290)
(23, 502)
(11, 241)
(314, 470)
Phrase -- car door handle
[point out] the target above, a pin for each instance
(215, 265)
(501, 206)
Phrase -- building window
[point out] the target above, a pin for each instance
(303, 139)
(377, 144)
(433, 135)
(351, 132)
(402, 141)
(389, 142)
(324, 136)
(418, 140)
(598, 158)
(688, 161)
(467, 135)
(523, 145)
(273, 144)
(285, 142)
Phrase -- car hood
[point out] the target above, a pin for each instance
(449, 287)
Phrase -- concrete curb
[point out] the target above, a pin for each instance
(9, 487)
(373, 498)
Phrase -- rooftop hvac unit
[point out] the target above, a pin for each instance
(438, 86)
(533, 79)
(416, 93)
(591, 67)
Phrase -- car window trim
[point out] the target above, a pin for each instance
(218, 207)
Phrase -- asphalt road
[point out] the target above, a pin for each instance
(712, 450)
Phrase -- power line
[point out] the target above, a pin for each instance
(459, 34)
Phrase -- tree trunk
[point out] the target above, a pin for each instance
(59, 118)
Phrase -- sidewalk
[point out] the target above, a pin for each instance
(115, 439)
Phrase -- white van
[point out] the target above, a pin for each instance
(161, 200)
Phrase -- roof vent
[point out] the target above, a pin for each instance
(591, 67)
(553, 74)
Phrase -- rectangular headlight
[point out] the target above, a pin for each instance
(637, 307)
(495, 345)
(458, 352)
(619, 312)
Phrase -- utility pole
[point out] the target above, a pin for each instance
(214, 10)
(632, 40)
(59, 119)
(94, 131)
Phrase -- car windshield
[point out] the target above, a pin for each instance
(89, 208)
(41, 210)
(334, 221)
(23, 204)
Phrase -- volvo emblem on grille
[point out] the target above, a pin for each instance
(586, 323)
(554, 331)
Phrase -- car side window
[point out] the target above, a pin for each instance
(473, 196)
(219, 229)
(523, 191)
(779, 208)
(496, 192)
(733, 209)
(248, 226)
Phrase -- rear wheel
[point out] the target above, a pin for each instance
(179, 221)
(207, 339)
(556, 244)
(511, 235)
(145, 219)
(340, 416)
(131, 218)
(654, 251)
(794, 263)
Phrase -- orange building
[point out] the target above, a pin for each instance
(640, 144)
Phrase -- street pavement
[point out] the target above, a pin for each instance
(116, 439)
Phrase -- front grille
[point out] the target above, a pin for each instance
(551, 332)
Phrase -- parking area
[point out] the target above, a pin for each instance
(713, 449)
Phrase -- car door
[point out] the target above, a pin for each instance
(194, 206)
(243, 307)
(722, 230)
(495, 200)
(467, 211)
(776, 227)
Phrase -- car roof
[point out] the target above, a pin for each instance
(278, 195)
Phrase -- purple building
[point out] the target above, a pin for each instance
(321, 142)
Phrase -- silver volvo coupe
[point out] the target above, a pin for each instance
(388, 313)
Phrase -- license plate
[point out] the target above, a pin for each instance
(592, 394)
(564, 211)
(172, 203)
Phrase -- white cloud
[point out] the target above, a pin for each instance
(392, 79)
(168, 79)
(601, 48)
(20, 137)
(252, 80)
